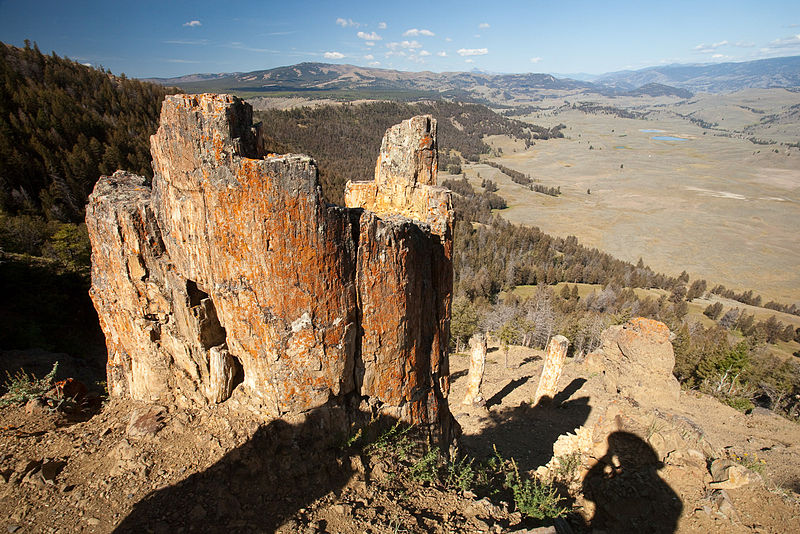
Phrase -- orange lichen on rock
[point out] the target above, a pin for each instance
(232, 276)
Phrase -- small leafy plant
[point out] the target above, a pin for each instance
(23, 387)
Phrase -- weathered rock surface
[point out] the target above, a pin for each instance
(636, 361)
(231, 274)
(405, 178)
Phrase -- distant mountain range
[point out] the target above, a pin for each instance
(670, 80)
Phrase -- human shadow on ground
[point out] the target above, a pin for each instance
(527, 433)
(255, 487)
(628, 494)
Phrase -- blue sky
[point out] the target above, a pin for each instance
(172, 38)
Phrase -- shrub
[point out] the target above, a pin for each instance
(23, 387)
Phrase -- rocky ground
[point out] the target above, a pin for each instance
(130, 467)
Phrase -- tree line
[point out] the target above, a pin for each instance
(525, 180)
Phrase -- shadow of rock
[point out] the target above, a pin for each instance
(527, 433)
(628, 494)
(255, 487)
(498, 397)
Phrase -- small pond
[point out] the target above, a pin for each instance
(668, 138)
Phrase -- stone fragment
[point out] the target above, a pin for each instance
(146, 421)
(477, 364)
(230, 272)
(551, 372)
(727, 474)
(50, 470)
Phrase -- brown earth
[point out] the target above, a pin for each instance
(132, 467)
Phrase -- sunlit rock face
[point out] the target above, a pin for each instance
(230, 275)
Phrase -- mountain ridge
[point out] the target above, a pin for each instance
(674, 80)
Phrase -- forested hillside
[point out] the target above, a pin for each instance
(346, 139)
(63, 125)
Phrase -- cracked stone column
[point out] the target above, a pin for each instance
(551, 372)
(477, 364)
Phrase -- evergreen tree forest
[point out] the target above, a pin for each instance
(62, 126)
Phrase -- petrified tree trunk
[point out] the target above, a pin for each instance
(232, 269)
(477, 364)
(551, 372)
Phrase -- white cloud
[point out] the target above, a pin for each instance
(347, 23)
(381, 25)
(718, 56)
(333, 55)
(369, 56)
(374, 63)
(193, 23)
(483, 25)
(441, 54)
(404, 44)
(448, 39)
(170, 60)
(369, 36)
(469, 61)
(744, 44)
(473, 51)
(424, 53)
(413, 32)
(535, 59)
(787, 42)
(706, 48)
(370, 43)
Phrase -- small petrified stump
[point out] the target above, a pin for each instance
(477, 364)
(548, 383)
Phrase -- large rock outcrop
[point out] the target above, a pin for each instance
(231, 270)
(635, 361)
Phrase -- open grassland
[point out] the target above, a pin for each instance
(721, 208)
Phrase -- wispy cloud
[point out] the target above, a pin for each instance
(187, 41)
(441, 54)
(535, 59)
(707, 48)
(193, 23)
(369, 36)
(718, 56)
(473, 51)
(374, 63)
(744, 44)
(424, 53)
(241, 46)
(786, 42)
(403, 44)
(370, 43)
(469, 61)
(347, 23)
(172, 60)
(369, 56)
(381, 25)
(413, 32)
(281, 33)
(333, 55)
(484, 25)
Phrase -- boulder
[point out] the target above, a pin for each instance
(636, 361)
